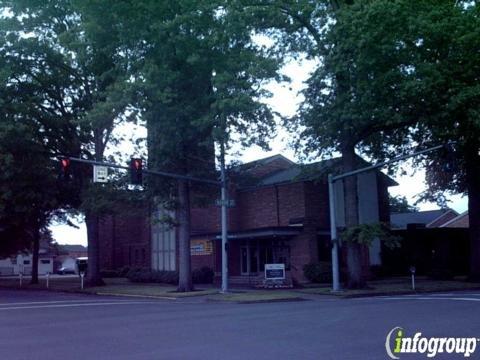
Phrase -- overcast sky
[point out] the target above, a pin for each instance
(284, 101)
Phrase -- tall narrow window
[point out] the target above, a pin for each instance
(163, 246)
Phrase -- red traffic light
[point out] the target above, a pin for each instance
(136, 166)
(65, 163)
(65, 172)
(137, 163)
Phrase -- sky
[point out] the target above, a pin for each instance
(285, 100)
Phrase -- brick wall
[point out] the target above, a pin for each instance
(303, 250)
(125, 241)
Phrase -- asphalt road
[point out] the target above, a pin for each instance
(42, 325)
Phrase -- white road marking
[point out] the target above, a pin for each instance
(53, 302)
(77, 305)
(432, 298)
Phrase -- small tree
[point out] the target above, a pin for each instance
(364, 234)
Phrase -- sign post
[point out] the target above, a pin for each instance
(82, 274)
(48, 279)
(274, 271)
(412, 271)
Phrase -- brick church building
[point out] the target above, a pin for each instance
(281, 215)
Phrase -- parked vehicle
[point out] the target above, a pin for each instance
(65, 270)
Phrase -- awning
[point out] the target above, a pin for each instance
(263, 233)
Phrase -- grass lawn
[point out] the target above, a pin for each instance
(150, 290)
(123, 287)
(113, 286)
(401, 285)
(251, 296)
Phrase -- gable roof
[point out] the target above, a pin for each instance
(442, 219)
(287, 172)
(460, 221)
(72, 248)
(401, 220)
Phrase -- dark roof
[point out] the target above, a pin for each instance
(72, 248)
(305, 172)
(261, 162)
(401, 220)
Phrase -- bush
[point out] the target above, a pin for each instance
(320, 272)
(109, 273)
(203, 276)
(143, 275)
(441, 274)
(122, 272)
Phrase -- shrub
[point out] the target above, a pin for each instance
(203, 276)
(320, 272)
(200, 276)
(440, 274)
(143, 275)
(122, 272)
(109, 273)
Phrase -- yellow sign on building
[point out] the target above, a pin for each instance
(201, 247)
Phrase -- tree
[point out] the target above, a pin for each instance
(339, 113)
(199, 75)
(70, 81)
(449, 63)
(399, 204)
(433, 45)
(29, 195)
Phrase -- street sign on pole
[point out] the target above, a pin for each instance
(228, 203)
(100, 174)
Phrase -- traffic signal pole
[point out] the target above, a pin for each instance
(332, 202)
(146, 171)
(224, 199)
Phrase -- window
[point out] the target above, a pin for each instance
(163, 247)
(255, 254)
(45, 261)
(26, 262)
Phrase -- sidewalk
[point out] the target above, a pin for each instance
(208, 293)
(114, 286)
(398, 286)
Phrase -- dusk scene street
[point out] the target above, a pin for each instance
(239, 179)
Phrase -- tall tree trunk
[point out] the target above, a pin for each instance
(356, 275)
(184, 268)
(35, 253)
(93, 272)
(473, 187)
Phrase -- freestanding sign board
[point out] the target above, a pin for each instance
(274, 271)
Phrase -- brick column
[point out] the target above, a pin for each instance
(303, 250)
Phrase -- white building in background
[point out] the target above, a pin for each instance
(22, 263)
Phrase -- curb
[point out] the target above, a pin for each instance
(390, 293)
(419, 292)
(135, 296)
(294, 299)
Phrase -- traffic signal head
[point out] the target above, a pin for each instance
(136, 166)
(65, 169)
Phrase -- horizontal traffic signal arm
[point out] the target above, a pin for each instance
(145, 171)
